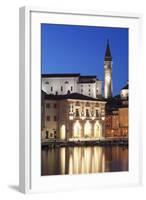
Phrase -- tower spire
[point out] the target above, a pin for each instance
(108, 56)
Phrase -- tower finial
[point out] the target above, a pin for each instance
(107, 41)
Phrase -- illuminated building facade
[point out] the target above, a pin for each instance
(73, 107)
(73, 117)
(116, 120)
(62, 84)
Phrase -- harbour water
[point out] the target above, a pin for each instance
(81, 160)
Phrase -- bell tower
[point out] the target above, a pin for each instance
(108, 72)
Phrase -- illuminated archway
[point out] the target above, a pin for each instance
(77, 129)
(97, 130)
(62, 132)
(87, 129)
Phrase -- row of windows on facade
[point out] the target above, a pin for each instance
(48, 118)
(48, 105)
(71, 88)
(66, 82)
(77, 113)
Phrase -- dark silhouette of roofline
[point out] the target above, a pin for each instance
(125, 87)
(60, 75)
(69, 75)
(89, 76)
(75, 96)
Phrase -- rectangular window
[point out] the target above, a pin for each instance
(61, 88)
(55, 105)
(47, 105)
(55, 118)
(51, 89)
(48, 118)
(97, 113)
(77, 112)
(71, 88)
(46, 82)
(87, 113)
(81, 90)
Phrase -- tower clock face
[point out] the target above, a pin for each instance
(108, 77)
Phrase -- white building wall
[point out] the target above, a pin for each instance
(88, 89)
(124, 93)
(98, 88)
(67, 84)
(61, 86)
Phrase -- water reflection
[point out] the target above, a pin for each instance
(78, 160)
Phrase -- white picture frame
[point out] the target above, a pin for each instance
(30, 90)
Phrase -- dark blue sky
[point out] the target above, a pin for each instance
(81, 49)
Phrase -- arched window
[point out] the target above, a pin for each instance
(87, 129)
(62, 132)
(77, 112)
(68, 92)
(87, 112)
(77, 129)
(97, 130)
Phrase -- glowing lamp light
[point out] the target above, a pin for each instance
(71, 117)
(103, 118)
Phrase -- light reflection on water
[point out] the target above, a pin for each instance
(78, 160)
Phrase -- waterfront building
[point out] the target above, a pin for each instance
(116, 120)
(73, 107)
(73, 117)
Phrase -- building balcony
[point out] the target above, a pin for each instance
(74, 116)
